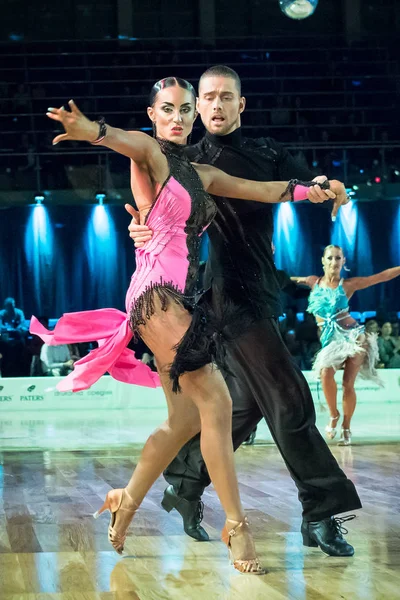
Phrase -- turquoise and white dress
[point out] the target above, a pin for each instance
(339, 343)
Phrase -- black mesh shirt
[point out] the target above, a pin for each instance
(240, 266)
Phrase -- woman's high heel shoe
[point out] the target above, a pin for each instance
(113, 503)
(251, 565)
(345, 438)
(331, 427)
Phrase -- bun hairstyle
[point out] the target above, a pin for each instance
(170, 82)
(337, 248)
(332, 246)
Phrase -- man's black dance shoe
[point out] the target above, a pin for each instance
(328, 535)
(191, 512)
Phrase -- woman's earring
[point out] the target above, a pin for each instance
(154, 129)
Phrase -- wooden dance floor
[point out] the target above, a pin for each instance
(52, 549)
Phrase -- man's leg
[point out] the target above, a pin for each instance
(284, 398)
(266, 374)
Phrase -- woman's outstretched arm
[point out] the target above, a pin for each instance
(310, 281)
(136, 145)
(361, 283)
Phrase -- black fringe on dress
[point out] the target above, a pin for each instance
(205, 340)
(143, 308)
(201, 345)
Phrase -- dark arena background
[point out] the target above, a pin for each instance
(322, 78)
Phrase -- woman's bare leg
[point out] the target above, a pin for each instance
(164, 443)
(207, 389)
(351, 370)
(160, 448)
(204, 402)
(330, 390)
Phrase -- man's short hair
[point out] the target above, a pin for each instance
(223, 71)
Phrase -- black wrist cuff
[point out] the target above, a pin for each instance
(102, 130)
(293, 182)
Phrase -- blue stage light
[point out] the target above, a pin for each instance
(101, 253)
(395, 241)
(100, 198)
(39, 249)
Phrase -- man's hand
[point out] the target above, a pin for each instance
(316, 194)
(139, 233)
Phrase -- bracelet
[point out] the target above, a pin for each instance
(325, 185)
(102, 131)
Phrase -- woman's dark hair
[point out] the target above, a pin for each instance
(170, 82)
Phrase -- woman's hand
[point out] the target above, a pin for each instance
(342, 198)
(77, 126)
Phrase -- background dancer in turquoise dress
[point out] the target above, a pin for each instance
(345, 343)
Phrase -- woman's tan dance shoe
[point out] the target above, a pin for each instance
(241, 528)
(113, 503)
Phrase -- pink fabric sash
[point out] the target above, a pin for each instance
(110, 328)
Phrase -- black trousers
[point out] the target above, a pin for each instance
(267, 384)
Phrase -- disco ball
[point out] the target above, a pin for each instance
(298, 9)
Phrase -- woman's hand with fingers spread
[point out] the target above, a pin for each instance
(77, 126)
(341, 196)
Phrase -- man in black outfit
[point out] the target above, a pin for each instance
(266, 383)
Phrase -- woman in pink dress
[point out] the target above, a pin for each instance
(172, 198)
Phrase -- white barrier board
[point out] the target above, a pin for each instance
(34, 415)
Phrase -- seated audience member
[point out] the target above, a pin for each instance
(143, 353)
(395, 331)
(34, 345)
(13, 332)
(56, 360)
(389, 349)
(12, 318)
(371, 326)
(149, 360)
